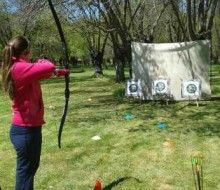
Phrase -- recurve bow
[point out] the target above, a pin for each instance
(66, 65)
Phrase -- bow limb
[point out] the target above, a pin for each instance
(66, 65)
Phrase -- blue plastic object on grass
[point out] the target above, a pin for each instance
(162, 125)
(128, 116)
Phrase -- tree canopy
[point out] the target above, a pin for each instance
(92, 26)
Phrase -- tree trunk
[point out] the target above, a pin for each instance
(119, 62)
(201, 16)
(119, 67)
(190, 24)
(97, 59)
(177, 14)
(98, 68)
(128, 58)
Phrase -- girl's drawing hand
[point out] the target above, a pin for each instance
(61, 72)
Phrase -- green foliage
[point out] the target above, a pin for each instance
(119, 94)
(77, 44)
(1, 49)
(45, 38)
(216, 37)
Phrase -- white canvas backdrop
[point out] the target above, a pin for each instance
(175, 62)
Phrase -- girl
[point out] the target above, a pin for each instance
(20, 80)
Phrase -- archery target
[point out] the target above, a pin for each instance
(160, 87)
(134, 88)
(191, 88)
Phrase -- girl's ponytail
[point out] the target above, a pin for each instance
(7, 83)
(14, 49)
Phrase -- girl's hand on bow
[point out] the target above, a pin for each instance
(61, 72)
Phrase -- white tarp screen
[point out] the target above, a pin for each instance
(175, 62)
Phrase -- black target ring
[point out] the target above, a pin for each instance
(133, 88)
(160, 86)
(191, 88)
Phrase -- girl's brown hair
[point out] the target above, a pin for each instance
(14, 49)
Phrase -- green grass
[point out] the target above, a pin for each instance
(131, 155)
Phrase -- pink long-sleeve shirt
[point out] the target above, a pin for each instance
(27, 104)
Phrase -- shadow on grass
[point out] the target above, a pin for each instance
(214, 98)
(189, 118)
(209, 129)
(83, 78)
(89, 91)
(119, 181)
(73, 79)
(206, 129)
(140, 128)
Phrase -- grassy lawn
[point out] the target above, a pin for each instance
(131, 154)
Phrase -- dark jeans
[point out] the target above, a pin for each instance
(27, 143)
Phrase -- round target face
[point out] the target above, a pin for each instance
(160, 86)
(133, 88)
(191, 88)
